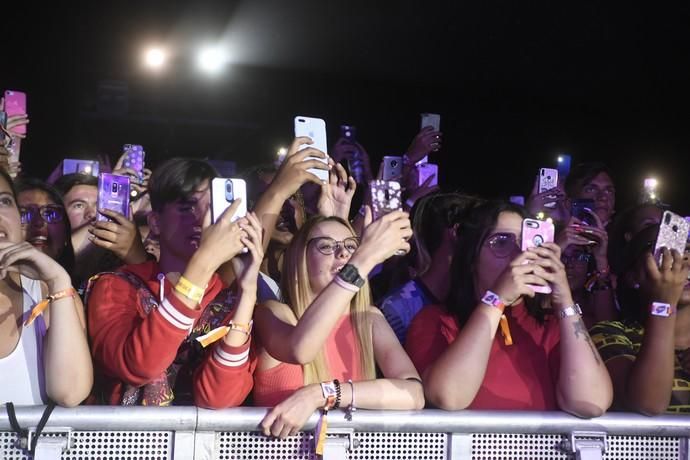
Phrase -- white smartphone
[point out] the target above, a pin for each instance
(314, 128)
(548, 179)
(392, 168)
(673, 234)
(426, 170)
(224, 191)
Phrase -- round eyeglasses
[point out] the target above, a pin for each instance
(327, 246)
(579, 258)
(50, 213)
(503, 245)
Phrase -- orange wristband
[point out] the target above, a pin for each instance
(43, 304)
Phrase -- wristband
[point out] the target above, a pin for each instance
(345, 285)
(661, 309)
(190, 290)
(493, 300)
(570, 311)
(246, 329)
(351, 408)
(330, 392)
(43, 304)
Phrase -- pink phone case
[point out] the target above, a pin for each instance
(535, 233)
(15, 104)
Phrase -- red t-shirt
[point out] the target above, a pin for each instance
(521, 376)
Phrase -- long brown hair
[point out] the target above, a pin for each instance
(296, 290)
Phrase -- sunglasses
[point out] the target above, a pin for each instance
(327, 246)
(503, 245)
(51, 213)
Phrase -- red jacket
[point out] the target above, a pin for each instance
(131, 347)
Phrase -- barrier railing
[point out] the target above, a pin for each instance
(109, 433)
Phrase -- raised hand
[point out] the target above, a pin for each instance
(336, 195)
(384, 237)
(120, 235)
(426, 141)
(222, 241)
(246, 266)
(665, 282)
(548, 266)
(26, 260)
(293, 172)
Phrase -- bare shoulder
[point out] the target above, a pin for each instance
(278, 310)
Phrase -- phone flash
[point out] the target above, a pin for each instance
(87, 169)
(540, 215)
(560, 159)
(650, 183)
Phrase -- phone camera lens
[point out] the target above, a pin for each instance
(114, 187)
(394, 163)
(675, 228)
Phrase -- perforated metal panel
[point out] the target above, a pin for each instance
(250, 446)
(369, 446)
(639, 447)
(103, 445)
(494, 446)
(499, 446)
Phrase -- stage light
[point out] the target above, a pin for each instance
(651, 183)
(155, 58)
(211, 59)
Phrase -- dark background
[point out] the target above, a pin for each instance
(514, 82)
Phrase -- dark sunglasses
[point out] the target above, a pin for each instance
(50, 213)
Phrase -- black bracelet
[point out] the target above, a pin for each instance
(338, 393)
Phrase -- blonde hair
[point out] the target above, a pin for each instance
(296, 289)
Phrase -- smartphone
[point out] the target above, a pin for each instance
(314, 128)
(71, 166)
(224, 191)
(548, 179)
(429, 119)
(535, 233)
(3, 124)
(392, 168)
(348, 132)
(426, 170)
(386, 196)
(673, 234)
(134, 158)
(563, 164)
(582, 209)
(15, 104)
(113, 194)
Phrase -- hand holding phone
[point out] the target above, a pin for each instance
(113, 194)
(315, 129)
(224, 191)
(535, 233)
(392, 168)
(134, 159)
(548, 179)
(583, 210)
(15, 104)
(673, 235)
(386, 197)
(425, 171)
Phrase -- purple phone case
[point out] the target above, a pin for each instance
(113, 194)
(15, 104)
(134, 158)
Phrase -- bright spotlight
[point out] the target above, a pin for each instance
(155, 58)
(211, 59)
(651, 183)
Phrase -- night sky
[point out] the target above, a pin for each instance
(515, 83)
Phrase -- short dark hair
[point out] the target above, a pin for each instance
(582, 174)
(433, 214)
(472, 233)
(65, 183)
(177, 179)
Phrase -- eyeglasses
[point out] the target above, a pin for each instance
(50, 213)
(328, 246)
(580, 258)
(503, 245)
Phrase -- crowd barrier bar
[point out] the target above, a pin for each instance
(146, 433)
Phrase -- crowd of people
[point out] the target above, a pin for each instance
(312, 302)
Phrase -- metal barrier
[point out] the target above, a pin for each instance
(145, 433)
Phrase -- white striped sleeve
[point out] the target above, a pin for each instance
(174, 316)
(230, 359)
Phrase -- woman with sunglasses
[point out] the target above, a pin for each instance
(542, 359)
(44, 353)
(321, 348)
(44, 222)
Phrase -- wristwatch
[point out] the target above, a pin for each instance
(350, 274)
(570, 311)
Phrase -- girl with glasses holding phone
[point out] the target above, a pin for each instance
(542, 358)
(321, 348)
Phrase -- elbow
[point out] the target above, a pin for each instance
(68, 397)
(418, 401)
(650, 408)
(302, 355)
(585, 408)
(446, 400)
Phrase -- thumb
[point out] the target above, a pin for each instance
(367, 215)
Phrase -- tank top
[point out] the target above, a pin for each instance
(272, 386)
(21, 372)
